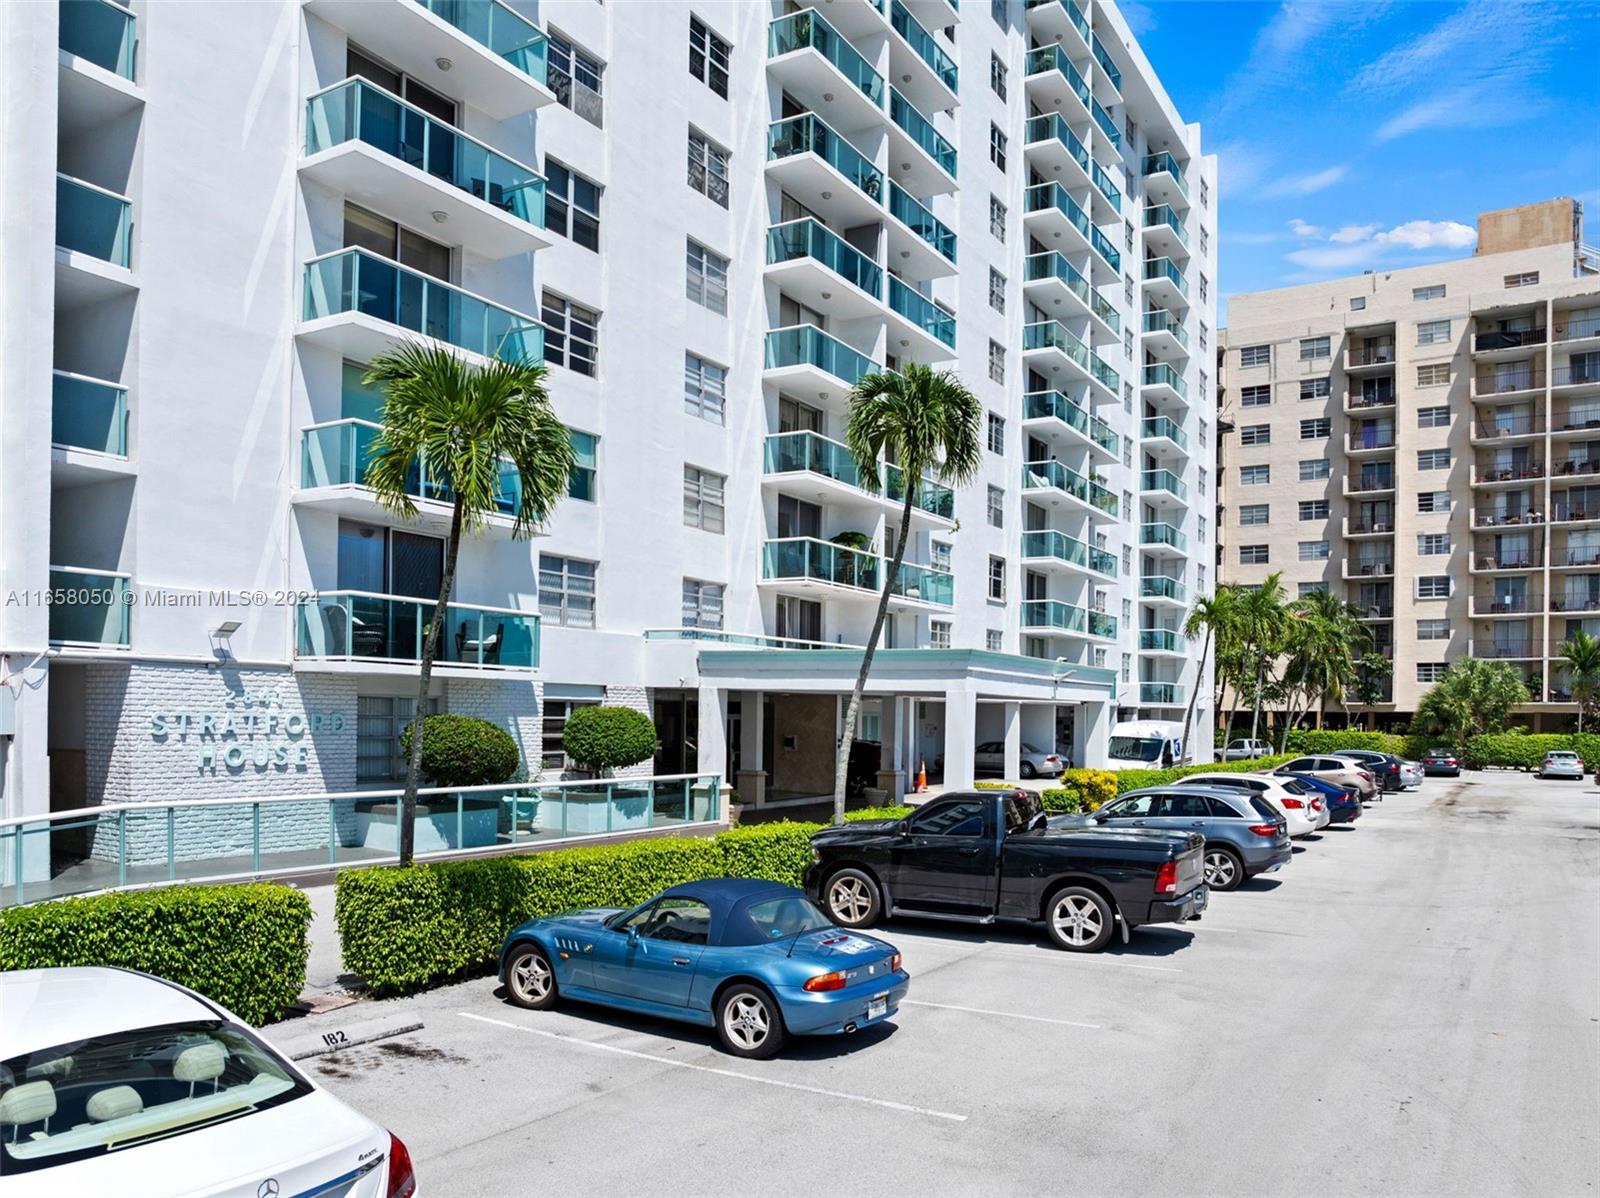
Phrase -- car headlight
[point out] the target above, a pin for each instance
(816, 856)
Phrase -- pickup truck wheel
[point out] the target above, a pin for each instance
(1224, 871)
(1079, 920)
(853, 899)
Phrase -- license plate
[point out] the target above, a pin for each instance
(1200, 899)
(878, 1005)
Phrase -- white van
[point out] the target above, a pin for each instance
(1146, 745)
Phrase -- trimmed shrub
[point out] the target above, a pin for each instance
(1138, 779)
(242, 946)
(462, 750)
(1062, 800)
(609, 738)
(1095, 787)
(1525, 751)
(991, 784)
(890, 812)
(780, 851)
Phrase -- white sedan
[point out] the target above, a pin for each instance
(1297, 809)
(115, 1082)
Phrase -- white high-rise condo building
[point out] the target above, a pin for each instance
(709, 219)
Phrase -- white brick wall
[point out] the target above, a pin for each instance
(515, 706)
(640, 699)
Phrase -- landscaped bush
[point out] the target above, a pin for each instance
(991, 784)
(242, 946)
(1062, 800)
(609, 738)
(1525, 751)
(780, 851)
(1328, 740)
(890, 812)
(1138, 779)
(462, 750)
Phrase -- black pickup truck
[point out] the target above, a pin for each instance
(989, 855)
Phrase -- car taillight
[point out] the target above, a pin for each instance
(1167, 878)
(826, 981)
(1296, 804)
(1316, 804)
(894, 963)
(1264, 829)
(402, 1177)
(1580, 763)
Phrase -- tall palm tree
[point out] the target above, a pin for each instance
(463, 423)
(1581, 653)
(1263, 624)
(1332, 640)
(927, 423)
(1214, 615)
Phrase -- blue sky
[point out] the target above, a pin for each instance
(1357, 134)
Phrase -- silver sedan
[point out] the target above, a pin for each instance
(1562, 763)
(1411, 774)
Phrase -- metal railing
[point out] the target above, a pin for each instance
(1576, 373)
(1371, 439)
(1572, 330)
(349, 625)
(1506, 604)
(1520, 377)
(807, 30)
(1507, 338)
(1513, 426)
(742, 639)
(920, 130)
(1372, 355)
(1494, 472)
(88, 413)
(1376, 399)
(212, 840)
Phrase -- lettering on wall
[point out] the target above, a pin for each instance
(251, 732)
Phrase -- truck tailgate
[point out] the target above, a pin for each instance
(1191, 866)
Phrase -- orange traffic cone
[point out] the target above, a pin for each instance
(922, 776)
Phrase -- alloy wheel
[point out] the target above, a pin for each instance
(1220, 870)
(1077, 919)
(747, 1021)
(531, 977)
(849, 899)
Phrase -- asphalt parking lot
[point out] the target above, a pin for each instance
(1412, 1006)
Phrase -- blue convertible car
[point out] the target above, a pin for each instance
(756, 960)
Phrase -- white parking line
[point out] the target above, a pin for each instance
(1083, 962)
(944, 1006)
(744, 1077)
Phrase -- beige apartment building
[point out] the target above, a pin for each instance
(1426, 443)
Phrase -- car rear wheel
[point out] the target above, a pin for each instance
(530, 981)
(1224, 870)
(749, 1023)
(1079, 920)
(853, 899)
(1027, 771)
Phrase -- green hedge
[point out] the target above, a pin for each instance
(242, 946)
(1525, 751)
(1138, 779)
(1330, 740)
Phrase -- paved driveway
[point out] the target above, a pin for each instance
(1410, 1007)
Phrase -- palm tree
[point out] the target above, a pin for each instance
(463, 423)
(1330, 641)
(1581, 653)
(927, 423)
(1472, 696)
(1263, 625)
(1213, 614)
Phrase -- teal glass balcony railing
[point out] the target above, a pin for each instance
(807, 558)
(1105, 63)
(808, 238)
(922, 312)
(91, 220)
(920, 129)
(933, 498)
(1107, 188)
(88, 414)
(360, 625)
(1159, 586)
(925, 585)
(1103, 498)
(920, 221)
(1159, 374)
(807, 30)
(1163, 640)
(1053, 615)
(356, 110)
(354, 281)
(1163, 214)
(1052, 195)
(1102, 372)
(1053, 58)
(1162, 426)
(1165, 164)
(338, 453)
(1047, 542)
(1053, 475)
(1051, 265)
(100, 32)
(89, 607)
(1101, 624)
(1049, 127)
(810, 134)
(1103, 247)
(920, 40)
(1051, 334)
(1163, 480)
(1107, 125)
(807, 345)
(790, 453)
(1041, 405)
(1074, 13)
(499, 29)
(1161, 694)
(1162, 534)
(1158, 320)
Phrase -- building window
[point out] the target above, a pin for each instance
(1200, 528)
(939, 634)
(1433, 630)
(1255, 434)
(997, 507)
(704, 496)
(1127, 397)
(1252, 514)
(571, 204)
(997, 146)
(705, 388)
(1527, 278)
(1313, 551)
(1203, 384)
(702, 604)
(1202, 336)
(1421, 294)
(1435, 374)
(574, 77)
(997, 217)
(939, 555)
(1314, 388)
(1127, 668)
(707, 278)
(380, 722)
(1313, 509)
(1433, 544)
(1202, 434)
(997, 362)
(1255, 476)
(571, 333)
(1433, 332)
(1253, 555)
(581, 479)
(1433, 501)
(1205, 247)
(708, 169)
(1316, 429)
(553, 730)
(1310, 588)
(1127, 289)
(1257, 396)
(1127, 234)
(1127, 341)
(997, 290)
(1433, 459)
(997, 433)
(1433, 586)
(1430, 671)
(1311, 471)
(1312, 348)
(1127, 451)
(1205, 193)
(1358, 303)
(708, 57)
(1255, 355)
(566, 591)
(997, 578)
(1204, 288)
(997, 76)
(1437, 417)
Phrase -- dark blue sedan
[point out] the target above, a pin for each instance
(756, 960)
(1344, 805)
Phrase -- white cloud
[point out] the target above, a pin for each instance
(1429, 235)
(1398, 68)
(1370, 245)
(1304, 185)
(1240, 166)
(1332, 257)
(1277, 56)
(1348, 233)
(1300, 229)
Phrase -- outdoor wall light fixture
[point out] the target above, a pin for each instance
(444, 64)
(440, 217)
(220, 638)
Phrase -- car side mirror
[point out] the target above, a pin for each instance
(903, 828)
(633, 934)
